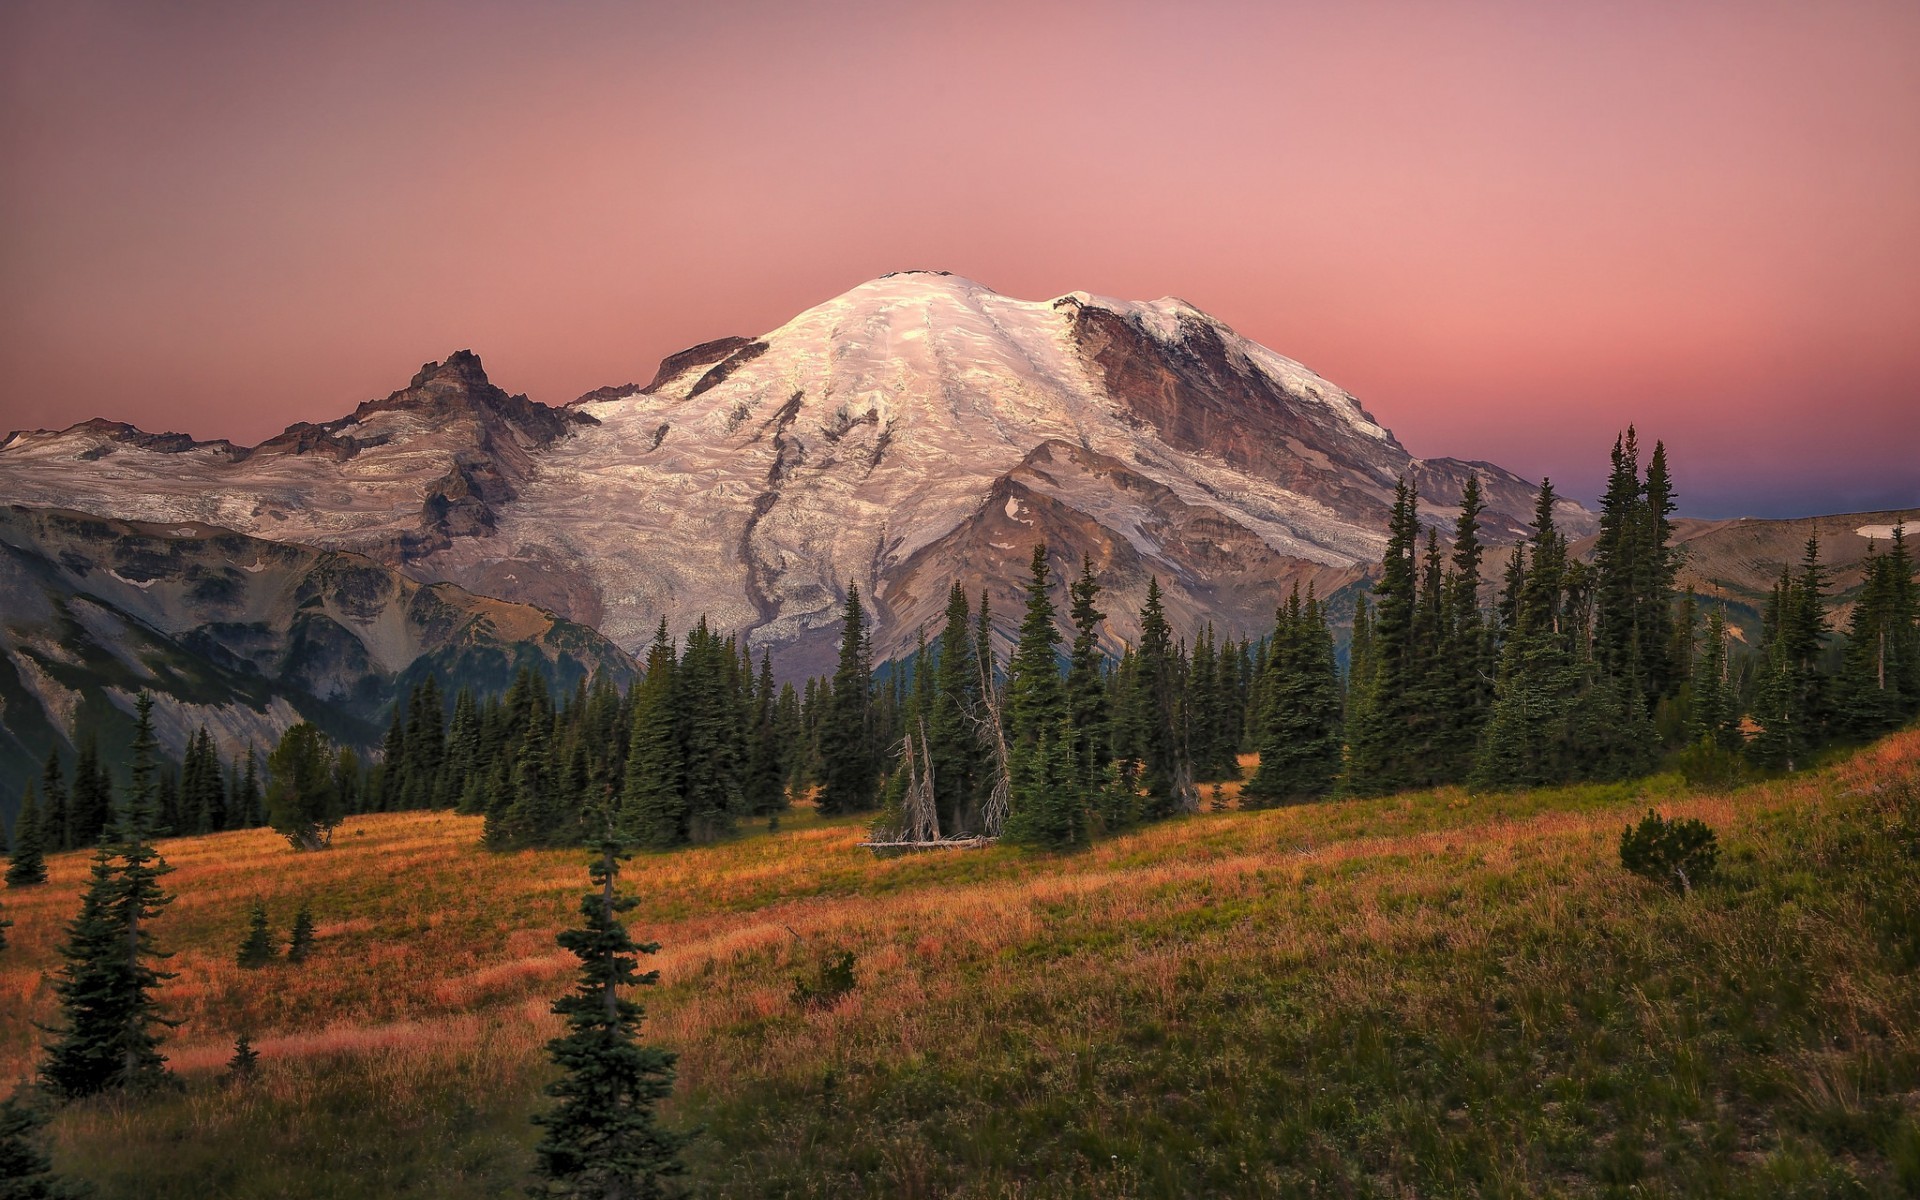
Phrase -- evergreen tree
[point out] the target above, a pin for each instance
(602, 1138)
(1166, 774)
(106, 983)
(1714, 716)
(1790, 706)
(849, 762)
(1382, 755)
(301, 943)
(1052, 808)
(28, 863)
(245, 1061)
(26, 1173)
(258, 947)
(953, 733)
(54, 814)
(1087, 707)
(249, 805)
(712, 745)
(766, 790)
(1036, 699)
(1298, 727)
(1469, 662)
(92, 804)
(303, 795)
(653, 809)
(1877, 688)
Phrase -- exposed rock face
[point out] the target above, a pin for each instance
(397, 479)
(243, 635)
(916, 429)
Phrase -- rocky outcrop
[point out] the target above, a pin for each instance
(239, 634)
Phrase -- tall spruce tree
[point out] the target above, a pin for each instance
(109, 1035)
(1166, 774)
(27, 864)
(1298, 726)
(1087, 706)
(603, 1137)
(653, 807)
(54, 818)
(1381, 752)
(849, 760)
(953, 732)
(765, 784)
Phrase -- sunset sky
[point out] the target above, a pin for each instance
(1510, 229)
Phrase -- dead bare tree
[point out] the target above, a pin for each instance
(994, 734)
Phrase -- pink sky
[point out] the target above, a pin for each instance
(1508, 228)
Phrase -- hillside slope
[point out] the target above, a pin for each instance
(242, 635)
(1427, 994)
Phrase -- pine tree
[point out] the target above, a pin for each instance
(1052, 812)
(258, 947)
(1714, 714)
(54, 815)
(1087, 707)
(105, 986)
(92, 803)
(1166, 774)
(653, 808)
(303, 795)
(245, 1061)
(953, 733)
(28, 864)
(712, 745)
(26, 1173)
(1791, 701)
(849, 763)
(765, 786)
(602, 1138)
(1299, 723)
(1382, 753)
(1036, 699)
(301, 943)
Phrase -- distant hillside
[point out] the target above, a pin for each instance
(241, 635)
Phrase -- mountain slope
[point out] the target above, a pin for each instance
(753, 479)
(242, 635)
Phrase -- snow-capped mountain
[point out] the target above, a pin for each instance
(916, 429)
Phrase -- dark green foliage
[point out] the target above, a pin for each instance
(1087, 703)
(953, 728)
(259, 946)
(832, 979)
(602, 1138)
(1036, 699)
(1680, 854)
(108, 1038)
(303, 792)
(26, 1173)
(55, 815)
(300, 945)
(849, 756)
(1790, 701)
(711, 735)
(1878, 687)
(1383, 754)
(1297, 729)
(1051, 800)
(245, 1061)
(28, 862)
(653, 811)
(92, 808)
(765, 784)
(1155, 737)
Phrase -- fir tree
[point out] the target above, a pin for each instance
(1087, 707)
(54, 818)
(1052, 808)
(653, 809)
(92, 803)
(303, 795)
(1299, 723)
(258, 947)
(953, 733)
(301, 943)
(26, 1172)
(245, 1061)
(766, 791)
(1382, 756)
(1165, 771)
(1714, 717)
(602, 1138)
(1036, 700)
(106, 983)
(28, 863)
(849, 764)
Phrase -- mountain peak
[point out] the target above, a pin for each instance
(461, 367)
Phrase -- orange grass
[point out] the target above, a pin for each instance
(436, 958)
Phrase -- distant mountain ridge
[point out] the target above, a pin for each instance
(242, 635)
(916, 429)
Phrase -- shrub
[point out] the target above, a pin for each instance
(833, 980)
(1681, 854)
(1707, 765)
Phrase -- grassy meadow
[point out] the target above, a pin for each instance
(1427, 995)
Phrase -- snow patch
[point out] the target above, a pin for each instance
(1882, 533)
(142, 584)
